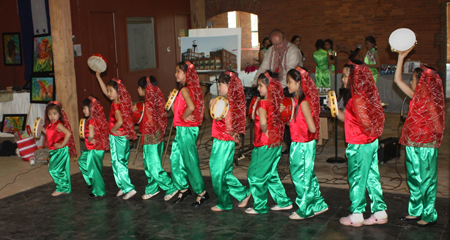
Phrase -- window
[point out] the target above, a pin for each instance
(254, 26)
(141, 43)
(232, 23)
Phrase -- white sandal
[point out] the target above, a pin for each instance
(170, 196)
(148, 196)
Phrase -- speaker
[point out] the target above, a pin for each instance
(388, 149)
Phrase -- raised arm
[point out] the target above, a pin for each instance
(398, 75)
(102, 84)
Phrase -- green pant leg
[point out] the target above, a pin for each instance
(358, 170)
(95, 166)
(120, 153)
(59, 169)
(276, 188)
(157, 177)
(83, 165)
(179, 175)
(373, 179)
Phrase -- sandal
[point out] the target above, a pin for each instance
(347, 221)
(203, 198)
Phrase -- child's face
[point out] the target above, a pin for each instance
(141, 91)
(262, 88)
(327, 46)
(112, 94)
(180, 75)
(223, 89)
(369, 45)
(53, 115)
(293, 86)
(345, 74)
(297, 42)
(86, 111)
(413, 82)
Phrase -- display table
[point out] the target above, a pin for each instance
(21, 105)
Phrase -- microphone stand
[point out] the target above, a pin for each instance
(337, 159)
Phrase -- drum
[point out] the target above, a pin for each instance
(332, 98)
(139, 113)
(171, 99)
(288, 113)
(37, 129)
(219, 109)
(81, 127)
(402, 39)
(251, 108)
(97, 63)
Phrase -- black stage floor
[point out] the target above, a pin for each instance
(34, 214)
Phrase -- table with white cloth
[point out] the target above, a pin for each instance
(21, 105)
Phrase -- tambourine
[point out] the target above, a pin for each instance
(219, 109)
(139, 113)
(81, 127)
(288, 113)
(97, 63)
(402, 39)
(37, 129)
(252, 108)
(333, 100)
(171, 99)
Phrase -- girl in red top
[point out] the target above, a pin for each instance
(188, 111)
(364, 121)
(97, 142)
(60, 142)
(304, 129)
(121, 131)
(269, 130)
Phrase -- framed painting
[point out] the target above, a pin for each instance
(11, 121)
(42, 89)
(12, 49)
(42, 54)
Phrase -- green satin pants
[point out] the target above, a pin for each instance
(363, 173)
(322, 78)
(421, 174)
(120, 154)
(59, 169)
(156, 175)
(91, 167)
(309, 198)
(184, 160)
(263, 175)
(223, 181)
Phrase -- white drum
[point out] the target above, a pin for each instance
(97, 63)
(219, 109)
(37, 128)
(402, 39)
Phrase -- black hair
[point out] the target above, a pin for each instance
(50, 107)
(87, 103)
(183, 66)
(320, 44)
(347, 93)
(372, 40)
(142, 82)
(265, 80)
(418, 72)
(295, 38)
(114, 85)
(330, 42)
(265, 39)
(224, 78)
(297, 76)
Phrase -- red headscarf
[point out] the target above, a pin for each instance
(155, 118)
(275, 125)
(195, 92)
(425, 124)
(366, 99)
(235, 118)
(312, 96)
(71, 143)
(126, 105)
(101, 128)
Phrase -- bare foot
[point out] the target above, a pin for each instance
(244, 202)
(55, 193)
(216, 209)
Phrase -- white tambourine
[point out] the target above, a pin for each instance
(37, 128)
(219, 109)
(402, 39)
(97, 63)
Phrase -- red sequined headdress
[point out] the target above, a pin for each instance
(425, 124)
(155, 118)
(235, 118)
(312, 96)
(366, 99)
(195, 92)
(126, 105)
(71, 143)
(101, 127)
(275, 125)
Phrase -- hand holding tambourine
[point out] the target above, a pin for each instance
(332, 103)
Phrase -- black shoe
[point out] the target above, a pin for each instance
(93, 196)
(286, 151)
(183, 196)
(405, 219)
(89, 186)
(203, 198)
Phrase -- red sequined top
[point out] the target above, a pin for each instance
(219, 130)
(299, 128)
(89, 146)
(353, 133)
(261, 139)
(113, 120)
(52, 134)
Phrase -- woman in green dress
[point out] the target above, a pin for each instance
(320, 56)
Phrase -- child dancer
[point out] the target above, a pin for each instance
(97, 142)
(153, 128)
(304, 129)
(364, 121)
(225, 133)
(121, 129)
(188, 111)
(269, 130)
(372, 58)
(60, 142)
(422, 135)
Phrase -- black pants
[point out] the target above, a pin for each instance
(287, 132)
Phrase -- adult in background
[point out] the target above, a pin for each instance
(297, 40)
(264, 46)
(320, 56)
